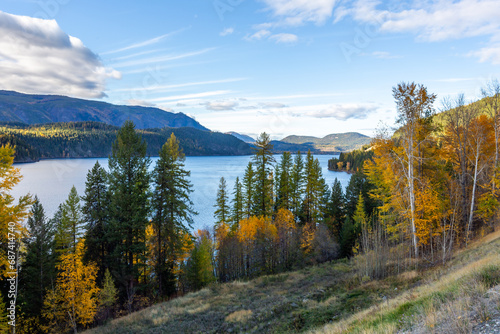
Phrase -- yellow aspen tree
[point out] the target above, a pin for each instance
(75, 299)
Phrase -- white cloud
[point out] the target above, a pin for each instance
(227, 31)
(190, 96)
(272, 105)
(298, 12)
(436, 20)
(140, 103)
(38, 57)
(161, 59)
(488, 54)
(260, 35)
(341, 112)
(145, 43)
(221, 105)
(284, 38)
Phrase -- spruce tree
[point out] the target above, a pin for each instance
(96, 215)
(129, 206)
(248, 190)
(297, 184)
(335, 208)
(315, 191)
(172, 212)
(37, 272)
(221, 213)
(283, 182)
(263, 160)
(69, 228)
(237, 201)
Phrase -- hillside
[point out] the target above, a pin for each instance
(335, 142)
(245, 138)
(40, 109)
(93, 139)
(460, 297)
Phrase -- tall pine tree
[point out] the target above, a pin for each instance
(221, 213)
(172, 212)
(248, 190)
(237, 203)
(37, 270)
(283, 184)
(96, 215)
(129, 206)
(263, 178)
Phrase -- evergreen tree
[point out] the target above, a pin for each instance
(69, 228)
(172, 212)
(237, 201)
(96, 215)
(221, 213)
(248, 190)
(129, 206)
(297, 184)
(108, 294)
(315, 191)
(263, 159)
(200, 271)
(335, 208)
(37, 272)
(283, 182)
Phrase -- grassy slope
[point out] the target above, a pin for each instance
(329, 298)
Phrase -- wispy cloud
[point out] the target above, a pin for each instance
(343, 112)
(298, 12)
(175, 86)
(190, 96)
(161, 59)
(39, 57)
(284, 38)
(145, 43)
(227, 31)
(220, 105)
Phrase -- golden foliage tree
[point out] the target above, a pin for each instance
(74, 300)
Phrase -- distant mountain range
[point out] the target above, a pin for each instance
(41, 109)
(335, 142)
(244, 138)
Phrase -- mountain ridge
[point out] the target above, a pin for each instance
(334, 142)
(42, 109)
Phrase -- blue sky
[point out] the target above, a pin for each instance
(305, 67)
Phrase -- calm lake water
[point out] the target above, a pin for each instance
(51, 180)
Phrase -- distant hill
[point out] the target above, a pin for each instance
(40, 109)
(335, 142)
(93, 139)
(245, 138)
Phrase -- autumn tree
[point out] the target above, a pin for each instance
(11, 214)
(172, 212)
(413, 104)
(74, 300)
(108, 295)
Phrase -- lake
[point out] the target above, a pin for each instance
(51, 180)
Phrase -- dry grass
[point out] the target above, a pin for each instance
(331, 298)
